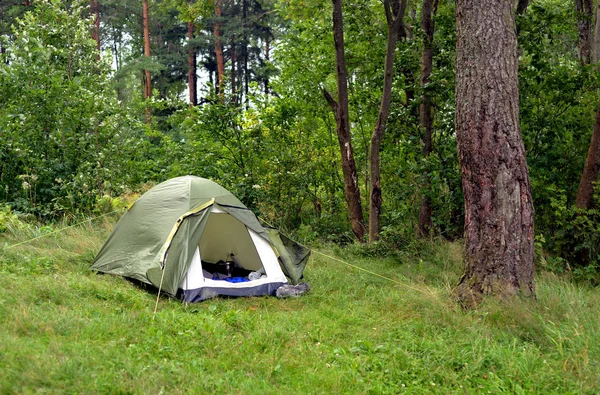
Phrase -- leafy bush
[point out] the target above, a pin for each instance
(9, 220)
(574, 239)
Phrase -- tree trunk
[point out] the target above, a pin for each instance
(585, 192)
(498, 206)
(591, 169)
(193, 91)
(521, 8)
(394, 15)
(233, 60)
(95, 11)
(584, 25)
(427, 25)
(596, 40)
(267, 57)
(340, 109)
(219, 48)
(147, 79)
(245, 52)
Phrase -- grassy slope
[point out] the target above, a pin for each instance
(65, 329)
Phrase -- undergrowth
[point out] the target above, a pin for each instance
(391, 329)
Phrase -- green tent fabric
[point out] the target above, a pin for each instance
(293, 256)
(155, 240)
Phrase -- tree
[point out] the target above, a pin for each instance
(591, 169)
(147, 78)
(95, 12)
(498, 208)
(584, 26)
(340, 111)
(428, 10)
(394, 14)
(63, 135)
(219, 48)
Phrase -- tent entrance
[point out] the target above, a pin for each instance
(226, 239)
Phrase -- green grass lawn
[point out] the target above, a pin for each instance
(64, 329)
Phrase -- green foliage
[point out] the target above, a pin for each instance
(9, 221)
(65, 138)
(575, 240)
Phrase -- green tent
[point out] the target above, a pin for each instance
(193, 239)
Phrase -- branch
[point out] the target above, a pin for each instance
(331, 101)
(388, 13)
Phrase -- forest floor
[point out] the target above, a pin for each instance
(65, 329)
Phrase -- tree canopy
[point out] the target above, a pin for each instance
(76, 126)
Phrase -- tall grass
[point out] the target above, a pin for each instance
(64, 329)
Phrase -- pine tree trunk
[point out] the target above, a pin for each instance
(340, 109)
(147, 78)
(219, 48)
(498, 206)
(233, 71)
(584, 25)
(95, 11)
(245, 52)
(193, 91)
(427, 12)
(394, 15)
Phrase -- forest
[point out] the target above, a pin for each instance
(439, 158)
(103, 99)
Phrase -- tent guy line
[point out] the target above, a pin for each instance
(63, 229)
(262, 219)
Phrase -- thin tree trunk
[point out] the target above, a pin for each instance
(245, 51)
(219, 48)
(496, 187)
(521, 8)
(585, 192)
(233, 60)
(193, 91)
(95, 11)
(591, 169)
(147, 78)
(584, 25)
(596, 40)
(427, 25)
(267, 57)
(340, 109)
(394, 15)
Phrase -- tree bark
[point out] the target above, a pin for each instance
(394, 16)
(340, 109)
(219, 48)
(428, 10)
(95, 11)
(584, 25)
(591, 169)
(498, 207)
(585, 192)
(596, 40)
(267, 58)
(147, 78)
(192, 69)
(233, 71)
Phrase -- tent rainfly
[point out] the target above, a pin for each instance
(194, 240)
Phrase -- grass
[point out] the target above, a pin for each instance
(64, 329)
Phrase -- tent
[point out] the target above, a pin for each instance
(192, 239)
